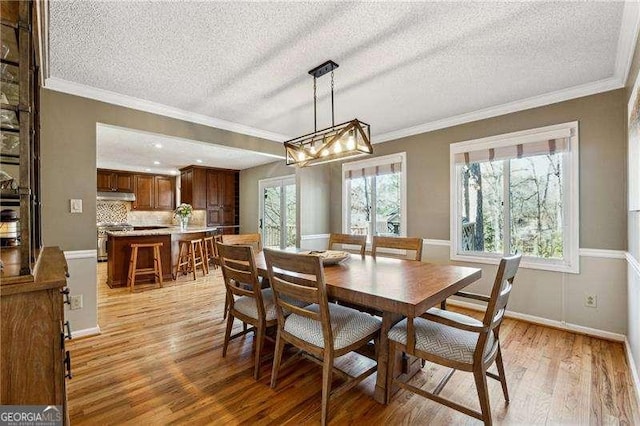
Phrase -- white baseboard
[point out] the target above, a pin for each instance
(634, 369)
(93, 331)
(594, 332)
(633, 262)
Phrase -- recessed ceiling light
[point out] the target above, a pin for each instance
(147, 170)
(198, 161)
(158, 145)
(173, 172)
(156, 162)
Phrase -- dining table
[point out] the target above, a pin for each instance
(395, 287)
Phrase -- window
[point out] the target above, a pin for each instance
(517, 193)
(374, 196)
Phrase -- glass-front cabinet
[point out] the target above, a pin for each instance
(19, 133)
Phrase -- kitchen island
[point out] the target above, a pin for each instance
(119, 251)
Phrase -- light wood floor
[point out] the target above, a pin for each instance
(158, 361)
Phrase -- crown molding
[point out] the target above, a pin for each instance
(77, 89)
(627, 39)
(593, 88)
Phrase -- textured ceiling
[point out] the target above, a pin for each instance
(401, 64)
(125, 149)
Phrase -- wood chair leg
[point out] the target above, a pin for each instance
(226, 306)
(259, 339)
(180, 254)
(227, 335)
(156, 252)
(193, 261)
(277, 358)
(205, 263)
(327, 370)
(503, 377)
(443, 305)
(134, 265)
(483, 395)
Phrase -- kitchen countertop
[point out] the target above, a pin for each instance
(163, 231)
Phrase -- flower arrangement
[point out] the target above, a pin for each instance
(183, 210)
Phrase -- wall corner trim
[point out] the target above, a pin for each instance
(633, 262)
(561, 325)
(634, 369)
(430, 242)
(314, 237)
(86, 332)
(608, 254)
(81, 254)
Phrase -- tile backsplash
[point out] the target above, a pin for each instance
(112, 211)
(120, 212)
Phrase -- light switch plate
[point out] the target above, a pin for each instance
(76, 206)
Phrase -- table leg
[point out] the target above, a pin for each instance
(388, 320)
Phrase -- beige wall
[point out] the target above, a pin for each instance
(603, 219)
(68, 170)
(313, 195)
(69, 158)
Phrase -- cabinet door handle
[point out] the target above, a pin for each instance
(67, 365)
(66, 291)
(67, 327)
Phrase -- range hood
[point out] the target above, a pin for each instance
(116, 196)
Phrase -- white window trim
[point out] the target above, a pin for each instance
(372, 162)
(269, 182)
(571, 262)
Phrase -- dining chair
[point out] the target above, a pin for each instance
(359, 241)
(459, 342)
(398, 243)
(254, 240)
(253, 305)
(321, 330)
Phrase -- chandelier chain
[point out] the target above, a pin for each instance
(315, 115)
(333, 119)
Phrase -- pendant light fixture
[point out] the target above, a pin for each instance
(349, 139)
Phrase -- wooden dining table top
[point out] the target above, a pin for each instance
(401, 286)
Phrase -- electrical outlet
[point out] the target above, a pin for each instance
(75, 205)
(590, 300)
(76, 302)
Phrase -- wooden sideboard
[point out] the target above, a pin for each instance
(34, 361)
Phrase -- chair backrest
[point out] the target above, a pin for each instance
(301, 278)
(501, 290)
(240, 273)
(254, 240)
(347, 239)
(400, 243)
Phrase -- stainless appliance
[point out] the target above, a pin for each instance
(116, 196)
(102, 236)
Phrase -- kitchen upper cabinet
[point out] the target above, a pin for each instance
(154, 192)
(193, 187)
(144, 188)
(165, 193)
(114, 181)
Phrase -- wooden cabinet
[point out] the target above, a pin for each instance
(34, 361)
(164, 193)
(216, 190)
(193, 187)
(115, 181)
(154, 192)
(144, 188)
(20, 129)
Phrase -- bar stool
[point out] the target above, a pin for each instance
(211, 251)
(190, 256)
(134, 271)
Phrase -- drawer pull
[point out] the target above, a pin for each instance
(67, 364)
(67, 327)
(66, 292)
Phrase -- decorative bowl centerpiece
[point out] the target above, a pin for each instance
(328, 257)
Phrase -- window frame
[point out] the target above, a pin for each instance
(372, 162)
(571, 198)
